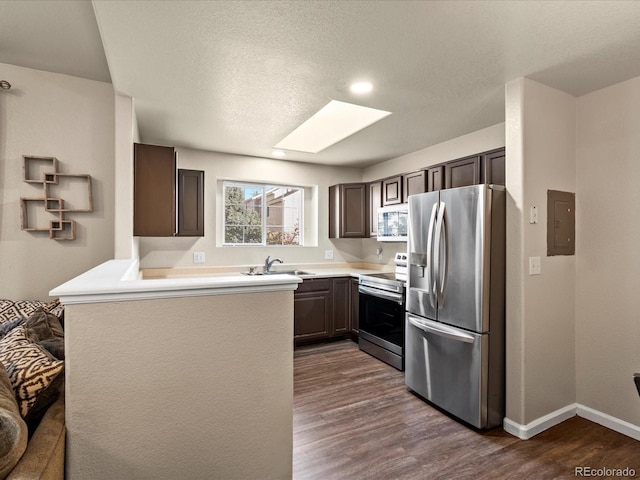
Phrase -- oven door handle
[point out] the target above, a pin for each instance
(396, 297)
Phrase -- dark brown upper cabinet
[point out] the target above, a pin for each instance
(493, 167)
(190, 203)
(348, 210)
(463, 172)
(154, 199)
(392, 190)
(375, 202)
(435, 178)
(413, 183)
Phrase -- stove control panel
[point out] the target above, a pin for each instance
(401, 266)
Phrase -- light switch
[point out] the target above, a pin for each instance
(534, 266)
(198, 257)
(328, 254)
(533, 215)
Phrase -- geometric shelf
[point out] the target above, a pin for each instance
(62, 229)
(82, 182)
(43, 171)
(25, 205)
(32, 166)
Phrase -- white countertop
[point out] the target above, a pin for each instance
(119, 280)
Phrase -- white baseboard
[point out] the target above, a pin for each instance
(525, 432)
(613, 423)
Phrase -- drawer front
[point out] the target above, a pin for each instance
(314, 285)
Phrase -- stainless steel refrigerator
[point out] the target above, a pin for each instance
(455, 321)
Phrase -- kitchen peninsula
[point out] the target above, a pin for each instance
(178, 378)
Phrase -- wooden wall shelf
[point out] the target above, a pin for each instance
(43, 171)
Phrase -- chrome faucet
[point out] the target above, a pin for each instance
(268, 264)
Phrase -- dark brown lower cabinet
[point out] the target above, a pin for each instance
(323, 309)
(355, 307)
(341, 289)
(312, 310)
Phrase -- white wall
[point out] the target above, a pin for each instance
(608, 250)
(178, 252)
(72, 119)
(541, 150)
(126, 133)
(480, 141)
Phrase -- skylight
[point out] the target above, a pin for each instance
(332, 123)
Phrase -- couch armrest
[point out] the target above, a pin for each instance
(44, 458)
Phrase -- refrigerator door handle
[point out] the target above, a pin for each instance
(441, 253)
(439, 329)
(430, 271)
(443, 269)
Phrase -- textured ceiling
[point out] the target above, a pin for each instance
(237, 77)
(55, 36)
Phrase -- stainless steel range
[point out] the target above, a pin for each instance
(382, 305)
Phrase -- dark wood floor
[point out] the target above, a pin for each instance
(355, 419)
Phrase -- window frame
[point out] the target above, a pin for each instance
(266, 188)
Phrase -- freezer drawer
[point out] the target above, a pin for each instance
(452, 369)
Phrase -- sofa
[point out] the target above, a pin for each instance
(32, 423)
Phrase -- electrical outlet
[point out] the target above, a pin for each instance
(328, 254)
(198, 257)
(534, 266)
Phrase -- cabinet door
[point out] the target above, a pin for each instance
(154, 198)
(435, 178)
(392, 191)
(355, 306)
(375, 202)
(348, 211)
(463, 172)
(190, 203)
(493, 167)
(340, 324)
(312, 310)
(413, 183)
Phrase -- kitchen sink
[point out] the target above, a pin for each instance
(281, 272)
(288, 272)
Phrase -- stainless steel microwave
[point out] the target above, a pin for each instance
(393, 223)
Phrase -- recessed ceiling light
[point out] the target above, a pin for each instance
(278, 153)
(332, 123)
(361, 87)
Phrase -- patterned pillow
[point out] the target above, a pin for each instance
(22, 308)
(31, 369)
(54, 308)
(6, 327)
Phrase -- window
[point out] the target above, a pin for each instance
(256, 214)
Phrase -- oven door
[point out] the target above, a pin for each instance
(381, 319)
